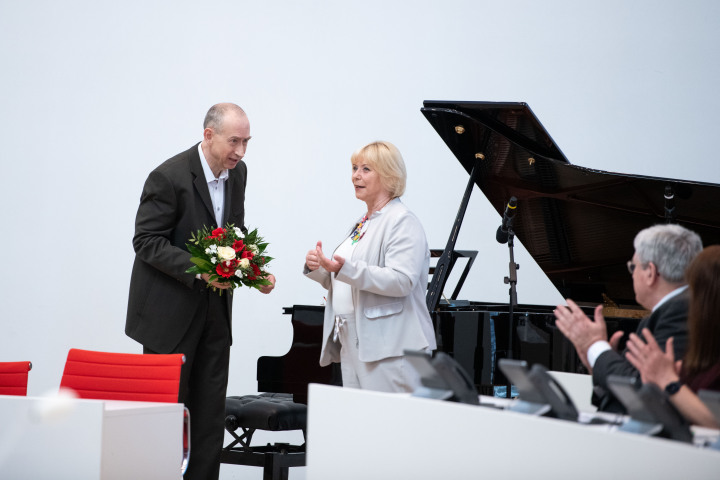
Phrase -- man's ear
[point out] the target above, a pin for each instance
(651, 273)
(208, 134)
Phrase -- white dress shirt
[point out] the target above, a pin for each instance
(342, 292)
(216, 187)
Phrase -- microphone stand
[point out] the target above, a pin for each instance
(512, 280)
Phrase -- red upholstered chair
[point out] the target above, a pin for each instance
(14, 378)
(123, 376)
(127, 376)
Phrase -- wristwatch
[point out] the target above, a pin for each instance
(673, 387)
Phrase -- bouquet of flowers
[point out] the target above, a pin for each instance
(228, 255)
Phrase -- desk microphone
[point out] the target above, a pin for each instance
(502, 232)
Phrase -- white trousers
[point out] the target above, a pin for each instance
(394, 374)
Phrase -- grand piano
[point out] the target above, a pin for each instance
(577, 223)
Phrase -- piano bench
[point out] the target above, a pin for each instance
(267, 411)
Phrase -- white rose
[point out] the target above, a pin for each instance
(226, 253)
(244, 263)
(239, 233)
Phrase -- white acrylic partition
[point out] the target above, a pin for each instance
(355, 434)
(89, 439)
(579, 386)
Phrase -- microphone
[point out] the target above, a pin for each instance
(669, 204)
(502, 232)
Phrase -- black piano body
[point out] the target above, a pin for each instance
(294, 371)
(476, 334)
(577, 223)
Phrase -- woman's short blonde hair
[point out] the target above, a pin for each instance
(387, 161)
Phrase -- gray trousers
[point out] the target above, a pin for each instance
(394, 374)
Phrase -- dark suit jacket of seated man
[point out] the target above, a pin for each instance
(667, 320)
(662, 253)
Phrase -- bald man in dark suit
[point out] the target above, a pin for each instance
(170, 311)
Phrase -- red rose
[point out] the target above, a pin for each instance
(247, 254)
(218, 233)
(257, 271)
(227, 269)
(238, 245)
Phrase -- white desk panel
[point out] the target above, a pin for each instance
(89, 439)
(355, 434)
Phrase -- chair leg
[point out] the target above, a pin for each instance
(273, 471)
(244, 440)
(276, 459)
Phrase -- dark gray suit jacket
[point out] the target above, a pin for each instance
(669, 320)
(175, 203)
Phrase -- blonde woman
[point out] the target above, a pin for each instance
(376, 281)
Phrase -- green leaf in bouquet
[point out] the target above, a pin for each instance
(202, 263)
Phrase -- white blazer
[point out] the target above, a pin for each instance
(388, 273)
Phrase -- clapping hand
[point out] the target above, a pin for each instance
(316, 259)
(654, 365)
(579, 329)
(311, 259)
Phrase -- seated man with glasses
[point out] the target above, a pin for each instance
(662, 253)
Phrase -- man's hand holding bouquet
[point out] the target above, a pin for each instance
(228, 256)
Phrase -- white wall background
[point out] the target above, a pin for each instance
(95, 94)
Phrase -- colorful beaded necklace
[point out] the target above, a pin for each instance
(359, 231)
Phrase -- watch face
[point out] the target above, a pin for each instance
(672, 388)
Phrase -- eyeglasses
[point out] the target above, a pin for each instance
(631, 266)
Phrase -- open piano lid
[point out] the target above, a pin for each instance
(577, 223)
